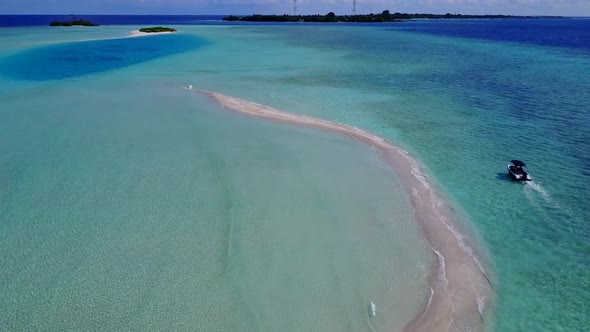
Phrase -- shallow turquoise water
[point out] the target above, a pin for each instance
(88, 184)
(129, 203)
(465, 107)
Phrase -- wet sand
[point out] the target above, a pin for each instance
(460, 288)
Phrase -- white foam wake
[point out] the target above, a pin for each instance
(539, 189)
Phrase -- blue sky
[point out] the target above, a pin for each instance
(198, 7)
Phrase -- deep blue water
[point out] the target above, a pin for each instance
(68, 60)
(571, 33)
(41, 20)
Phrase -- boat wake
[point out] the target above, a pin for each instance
(539, 189)
(549, 207)
(534, 190)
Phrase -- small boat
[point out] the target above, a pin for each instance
(516, 170)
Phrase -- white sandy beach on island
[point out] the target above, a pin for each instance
(131, 34)
(137, 33)
(460, 289)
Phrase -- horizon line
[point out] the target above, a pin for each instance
(103, 14)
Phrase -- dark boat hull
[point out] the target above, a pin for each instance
(524, 176)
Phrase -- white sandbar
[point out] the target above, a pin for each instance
(460, 289)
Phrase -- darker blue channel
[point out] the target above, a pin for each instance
(568, 33)
(68, 60)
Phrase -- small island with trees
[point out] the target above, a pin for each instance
(156, 30)
(73, 22)
(385, 16)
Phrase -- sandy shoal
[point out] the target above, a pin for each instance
(460, 289)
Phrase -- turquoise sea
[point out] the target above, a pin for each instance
(128, 203)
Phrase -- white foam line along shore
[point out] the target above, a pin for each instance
(460, 289)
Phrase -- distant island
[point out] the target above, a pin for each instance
(79, 22)
(157, 30)
(385, 16)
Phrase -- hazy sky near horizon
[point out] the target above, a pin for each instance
(203, 7)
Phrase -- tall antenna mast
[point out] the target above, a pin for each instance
(294, 7)
(353, 7)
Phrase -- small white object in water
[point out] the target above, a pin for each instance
(190, 87)
(373, 309)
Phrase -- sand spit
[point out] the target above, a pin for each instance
(137, 33)
(460, 289)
